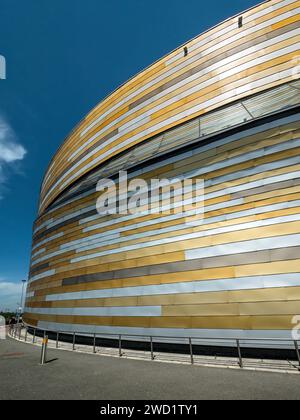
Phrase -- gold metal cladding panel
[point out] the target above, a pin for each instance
(114, 106)
(68, 255)
(214, 322)
(245, 165)
(210, 156)
(251, 270)
(279, 213)
(156, 236)
(277, 295)
(72, 230)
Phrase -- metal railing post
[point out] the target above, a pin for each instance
(20, 330)
(151, 347)
(74, 340)
(94, 344)
(120, 346)
(26, 333)
(44, 350)
(57, 337)
(240, 354)
(33, 337)
(297, 351)
(191, 351)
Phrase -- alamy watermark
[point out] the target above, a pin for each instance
(125, 196)
(2, 328)
(2, 67)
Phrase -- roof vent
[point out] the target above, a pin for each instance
(186, 51)
(240, 21)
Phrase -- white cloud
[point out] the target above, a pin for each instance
(11, 151)
(10, 295)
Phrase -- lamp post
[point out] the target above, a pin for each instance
(21, 305)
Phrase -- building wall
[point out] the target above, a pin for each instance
(234, 275)
(238, 271)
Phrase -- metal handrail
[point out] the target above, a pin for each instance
(16, 329)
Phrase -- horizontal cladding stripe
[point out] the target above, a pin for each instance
(281, 294)
(226, 309)
(118, 311)
(236, 322)
(42, 275)
(276, 253)
(233, 309)
(242, 283)
(245, 246)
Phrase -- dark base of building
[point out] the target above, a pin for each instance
(198, 350)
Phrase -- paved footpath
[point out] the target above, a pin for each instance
(83, 376)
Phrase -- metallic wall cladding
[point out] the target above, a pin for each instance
(223, 65)
(228, 112)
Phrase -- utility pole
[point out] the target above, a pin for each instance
(20, 309)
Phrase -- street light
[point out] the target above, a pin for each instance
(20, 310)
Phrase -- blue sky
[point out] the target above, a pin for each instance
(62, 57)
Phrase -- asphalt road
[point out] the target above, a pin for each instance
(81, 377)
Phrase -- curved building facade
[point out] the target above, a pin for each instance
(225, 108)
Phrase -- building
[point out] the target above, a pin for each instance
(223, 107)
